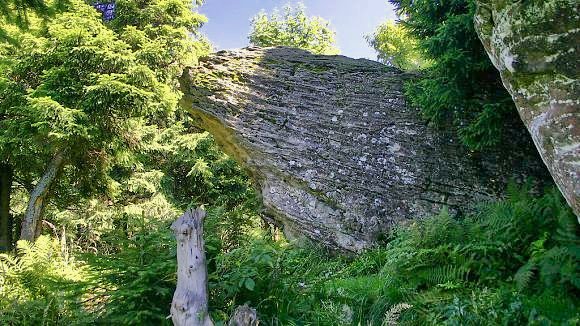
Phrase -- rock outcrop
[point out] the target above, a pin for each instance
(535, 45)
(337, 154)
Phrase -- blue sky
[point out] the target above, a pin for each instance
(229, 21)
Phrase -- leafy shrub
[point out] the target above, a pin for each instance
(294, 28)
(396, 47)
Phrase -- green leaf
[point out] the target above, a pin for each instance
(249, 284)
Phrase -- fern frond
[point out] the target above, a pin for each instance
(445, 274)
(568, 228)
(392, 315)
(525, 274)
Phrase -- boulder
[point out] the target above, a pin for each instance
(535, 46)
(335, 151)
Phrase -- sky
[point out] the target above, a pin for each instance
(229, 21)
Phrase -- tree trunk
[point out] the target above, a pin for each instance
(6, 174)
(31, 223)
(190, 300)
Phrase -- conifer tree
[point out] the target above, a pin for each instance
(461, 90)
(78, 96)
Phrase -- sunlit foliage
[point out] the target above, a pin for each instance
(294, 28)
(396, 47)
(77, 87)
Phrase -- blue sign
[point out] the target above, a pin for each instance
(107, 9)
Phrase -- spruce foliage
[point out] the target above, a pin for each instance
(461, 90)
(89, 90)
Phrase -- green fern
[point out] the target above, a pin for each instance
(38, 286)
(444, 274)
(524, 275)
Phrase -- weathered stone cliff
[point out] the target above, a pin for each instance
(535, 45)
(335, 151)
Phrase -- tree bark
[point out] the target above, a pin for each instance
(31, 223)
(190, 300)
(6, 175)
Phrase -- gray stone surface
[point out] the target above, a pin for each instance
(535, 45)
(335, 151)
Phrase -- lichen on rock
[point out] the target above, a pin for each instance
(535, 46)
(335, 151)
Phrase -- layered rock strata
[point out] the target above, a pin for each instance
(335, 151)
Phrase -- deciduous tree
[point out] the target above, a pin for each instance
(294, 28)
(396, 47)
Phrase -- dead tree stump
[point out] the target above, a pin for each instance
(190, 300)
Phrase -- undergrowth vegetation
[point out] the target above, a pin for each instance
(511, 262)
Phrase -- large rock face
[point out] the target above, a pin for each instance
(335, 151)
(535, 45)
